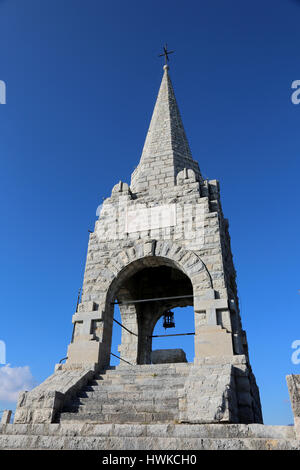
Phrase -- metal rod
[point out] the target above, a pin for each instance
(78, 299)
(63, 359)
(178, 334)
(151, 300)
(131, 332)
(121, 359)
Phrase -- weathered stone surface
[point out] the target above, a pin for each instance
(171, 392)
(293, 382)
(209, 395)
(148, 437)
(297, 426)
(163, 356)
(6, 416)
(44, 403)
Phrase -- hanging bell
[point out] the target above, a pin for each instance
(169, 319)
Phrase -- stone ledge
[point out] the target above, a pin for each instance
(212, 431)
(148, 437)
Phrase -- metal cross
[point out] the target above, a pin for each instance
(166, 53)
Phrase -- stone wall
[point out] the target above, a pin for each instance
(111, 250)
(44, 403)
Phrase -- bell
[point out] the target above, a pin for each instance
(168, 319)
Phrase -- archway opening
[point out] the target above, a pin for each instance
(116, 338)
(183, 338)
(143, 297)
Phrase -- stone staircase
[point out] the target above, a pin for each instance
(140, 394)
(137, 408)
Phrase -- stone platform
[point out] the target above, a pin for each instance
(86, 423)
(79, 436)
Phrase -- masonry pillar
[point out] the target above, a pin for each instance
(91, 339)
(129, 343)
(210, 338)
(293, 382)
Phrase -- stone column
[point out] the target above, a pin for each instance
(293, 382)
(6, 417)
(210, 338)
(91, 339)
(146, 313)
(129, 344)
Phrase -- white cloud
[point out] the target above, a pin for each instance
(14, 380)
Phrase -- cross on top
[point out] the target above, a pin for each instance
(166, 53)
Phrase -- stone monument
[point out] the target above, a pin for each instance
(161, 242)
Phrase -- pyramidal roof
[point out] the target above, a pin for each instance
(166, 150)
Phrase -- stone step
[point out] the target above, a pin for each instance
(103, 395)
(119, 418)
(134, 386)
(50, 442)
(130, 389)
(199, 431)
(139, 379)
(127, 400)
(122, 368)
(149, 380)
(146, 406)
(148, 370)
(142, 376)
(141, 394)
(147, 373)
(145, 394)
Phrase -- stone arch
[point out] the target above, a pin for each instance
(146, 255)
(185, 260)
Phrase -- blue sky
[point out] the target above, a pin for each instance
(82, 78)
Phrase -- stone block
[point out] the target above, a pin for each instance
(293, 382)
(163, 356)
(6, 416)
(212, 342)
(43, 403)
(297, 426)
(83, 352)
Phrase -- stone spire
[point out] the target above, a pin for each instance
(166, 150)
